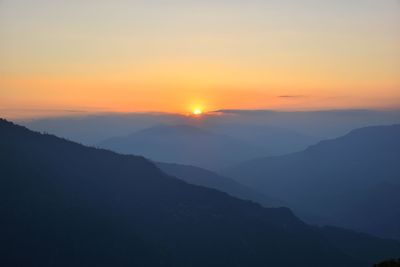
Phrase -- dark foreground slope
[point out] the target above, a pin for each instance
(63, 204)
(352, 181)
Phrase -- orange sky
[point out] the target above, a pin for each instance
(171, 56)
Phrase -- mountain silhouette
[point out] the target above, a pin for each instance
(183, 144)
(64, 204)
(352, 181)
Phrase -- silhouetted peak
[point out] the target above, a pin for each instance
(375, 131)
(367, 136)
(5, 123)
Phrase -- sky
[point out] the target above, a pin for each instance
(174, 56)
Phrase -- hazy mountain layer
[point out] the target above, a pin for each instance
(352, 181)
(184, 144)
(203, 177)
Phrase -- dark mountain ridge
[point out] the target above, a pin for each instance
(64, 204)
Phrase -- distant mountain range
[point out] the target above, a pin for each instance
(352, 181)
(258, 125)
(184, 144)
(64, 204)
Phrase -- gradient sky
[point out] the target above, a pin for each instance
(170, 55)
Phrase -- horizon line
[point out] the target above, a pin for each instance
(69, 113)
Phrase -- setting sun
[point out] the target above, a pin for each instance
(197, 111)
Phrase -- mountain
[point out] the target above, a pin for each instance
(183, 144)
(352, 181)
(198, 176)
(64, 204)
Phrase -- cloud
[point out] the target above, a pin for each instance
(291, 96)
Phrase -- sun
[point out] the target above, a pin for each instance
(197, 111)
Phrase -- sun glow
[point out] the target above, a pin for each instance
(197, 111)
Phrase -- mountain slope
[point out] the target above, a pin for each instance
(78, 188)
(198, 176)
(183, 144)
(64, 204)
(337, 179)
